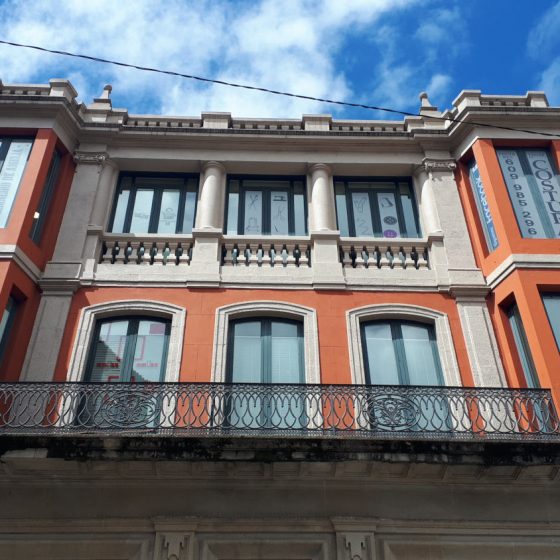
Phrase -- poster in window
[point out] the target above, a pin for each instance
(167, 222)
(253, 212)
(388, 214)
(279, 213)
(524, 206)
(363, 223)
(483, 208)
(10, 177)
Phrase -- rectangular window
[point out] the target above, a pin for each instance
(6, 324)
(376, 208)
(552, 306)
(46, 199)
(155, 204)
(266, 206)
(522, 346)
(13, 159)
(483, 208)
(532, 183)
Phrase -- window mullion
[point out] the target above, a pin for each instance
(181, 209)
(155, 210)
(129, 209)
(129, 350)
(266, 351)
(375, 214)
(398, 345)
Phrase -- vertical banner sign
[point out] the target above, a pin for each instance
(547, 184)
(483, 208)
(388, 215)
(524, 206)
(10, 177)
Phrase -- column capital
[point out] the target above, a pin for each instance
(431, 166)
(213, 164)
(313, 167)
(92, 158)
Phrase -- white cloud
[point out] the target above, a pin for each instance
(290, 45)
(544, 36)
(550, 82)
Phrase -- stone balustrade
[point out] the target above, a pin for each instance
(384, 253)
(149, 249)
(273, 252)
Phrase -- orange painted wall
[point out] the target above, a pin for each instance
(14, 282)
(201, 307)
(29, 194)
(525, 287)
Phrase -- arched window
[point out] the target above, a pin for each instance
(129, 349)
(400, 353)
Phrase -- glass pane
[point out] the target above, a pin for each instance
(253, 213)
(423, 369)
(300, 227)
(548, 188)
(167, 222)
(6, 323)
(380, 354)
(483, 209)
(233, 209)
(142, 209)
(388, 214)
(523, 348)
(10, 176)
(279, 213)
(109, 351)
(190, 205)
(408, 211)
(149, 354)
(552, 306)
(286, 356)
(120, 211)
(341, 210)
(363, 223)
(247, 363)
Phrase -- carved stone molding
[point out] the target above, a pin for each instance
(171, 546)
(439, 166)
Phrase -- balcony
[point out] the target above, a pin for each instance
(206, 410)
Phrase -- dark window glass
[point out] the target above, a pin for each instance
(155, 204)
(264, 206)
(46, 199)
(129, 349)
(13, 159)
(376, 208)
(534, 189)
(522, 346)
(6, 324)
(552, 306)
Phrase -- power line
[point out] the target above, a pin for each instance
(271, 91)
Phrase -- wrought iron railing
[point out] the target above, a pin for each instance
(310, 411)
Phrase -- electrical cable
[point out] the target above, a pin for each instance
(271, 91)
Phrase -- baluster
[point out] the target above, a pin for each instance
(179, 251)
(266, 259)
(253, 254)
(158, 254)
(140, 250)
(304, 257)
(359, 259)
(422, 261)
(165, 253)
(103, 254)
(260, 255)
(409, 259)
(152, 253)
(346, 259)
(285, 255)
(398, 258)
(115, 252)
(385, 260)
(291, 259)
(272, 254)
(377, 257)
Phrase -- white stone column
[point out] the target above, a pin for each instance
(427, 208)
(210, 213)
(482, 348)
(205, 266)
(44, 346)
(323, 212)
(325, 261)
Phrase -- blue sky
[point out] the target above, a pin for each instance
(377, 52)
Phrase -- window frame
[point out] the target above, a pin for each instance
(130, 344)
(266, 344)
(5, 143)
(266, 203)
(398, 347)
(156, 201)
(90, 315)
(374, 208)
(403, 312)
(14, 305)
(551, 295)
(47, 196)
(519, 337)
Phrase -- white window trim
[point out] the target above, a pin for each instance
(90, 315)
(234, 311)
(440, 321)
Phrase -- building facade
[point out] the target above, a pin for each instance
(277, 339)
